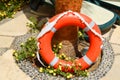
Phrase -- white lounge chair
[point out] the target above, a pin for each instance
(103, 17)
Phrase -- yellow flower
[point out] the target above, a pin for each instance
(60, 67)
(16, 54)
(9, 4)
(33, 55)
(60, 44)
(88, 74)
(59, 47)
(79, 64)
(70, 67)
(12, 16)
(69, 76)
(14, 13)
(22, 44)
(80, 33)
(60, 63)
(63, 55)
(55, 54)
(51, 71)
(48, 66)
(54, 74)
(29, 39)
(41, 69)
(2, 14)
(55, 70)
(17, 59)
(67, 58)
(14, 51)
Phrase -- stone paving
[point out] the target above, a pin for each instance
(114, 73)
(12, 28)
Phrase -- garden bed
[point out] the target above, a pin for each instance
(30, 68)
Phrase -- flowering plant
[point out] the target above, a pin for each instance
(9, 7)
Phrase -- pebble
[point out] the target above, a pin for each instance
(105, 65)
(21, 39)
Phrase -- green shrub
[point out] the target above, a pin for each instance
(9, 7)
(28, 50)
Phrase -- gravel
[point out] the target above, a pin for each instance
(21, 39)
(104, 66)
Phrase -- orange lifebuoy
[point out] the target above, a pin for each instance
(65, 20)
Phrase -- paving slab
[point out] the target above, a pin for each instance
(115, 38)
(15, 27)
(114, 73)
(9, 69)
(5, 42)
(116, 48)
(107, 35)
(3, 50)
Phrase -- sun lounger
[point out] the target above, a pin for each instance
(103, 17)
(111, 4)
